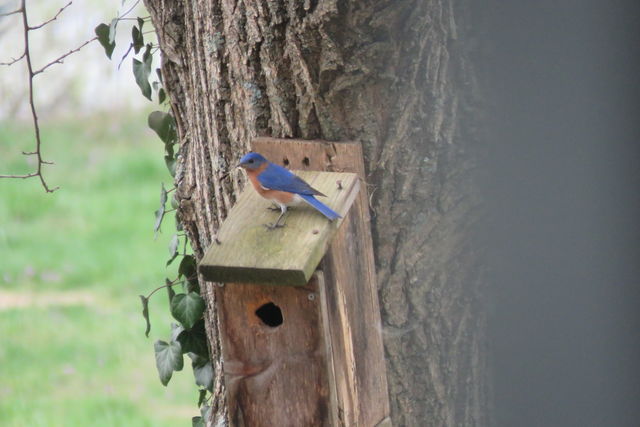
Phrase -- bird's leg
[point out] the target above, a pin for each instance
(283, 209)
(274, 207)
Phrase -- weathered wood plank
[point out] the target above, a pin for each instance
(349, 271)
(249, 252)
(276, 375)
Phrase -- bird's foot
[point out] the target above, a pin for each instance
(274, 208)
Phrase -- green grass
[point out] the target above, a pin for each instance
(89, 250)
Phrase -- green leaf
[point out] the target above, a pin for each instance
(188, 270)
(137, 39)
(176, 329)
(202, 371)
(142, 78)
(187, 308)
(112, 30)
(202, 396)
(171, 165)
(140, 23)
(197, 422)
(159, 213)
(187, 267)
(205, 411)
(141, 71)
(162, 95)
(102, 31)
(168, 359)
(170, 290)
(173, 248)
(164, 125)
(145, 313)
(195, 340)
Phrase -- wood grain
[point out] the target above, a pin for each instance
(247, 251)
(352, 299)
(276, 376)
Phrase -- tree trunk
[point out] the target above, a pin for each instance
(391, 74)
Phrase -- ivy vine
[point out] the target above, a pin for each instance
(187, 307)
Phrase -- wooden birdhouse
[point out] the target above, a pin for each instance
(299, 316)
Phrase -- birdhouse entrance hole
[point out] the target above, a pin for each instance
(270, 314)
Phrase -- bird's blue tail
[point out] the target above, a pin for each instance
(321, 207)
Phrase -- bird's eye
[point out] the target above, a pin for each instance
(251, 161)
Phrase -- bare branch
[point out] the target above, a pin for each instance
(26, 55)
(2, 15)
(36, 127)
(14, 60)
(52, 19)
(61, 58)
(29, 175)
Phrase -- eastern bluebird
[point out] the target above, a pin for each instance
(281, 186)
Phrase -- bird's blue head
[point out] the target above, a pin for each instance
(252, 161)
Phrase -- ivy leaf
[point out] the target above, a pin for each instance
(188, 270)
(202, 397)
(205, 411)
(171, 165)
(187, 308)
(202, 371)
(176, 329)
(164, 126)
(195, 340)
(141, 71)
(163, 194)
(137, 39)
(168, 359)
(170, 290)
(161, 96)
(140, 23)
(112, 30)
(145, 313)
(102, 31)
(160, 211)
(173, 248)
(159, 214)
(187, 267)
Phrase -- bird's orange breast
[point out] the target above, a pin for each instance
(283, 197)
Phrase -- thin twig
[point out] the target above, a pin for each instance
(13, 60)
(2, 15)
(130, 9)
(36, 127)
(166, 285)
(60, 59)
(29, 175)
(52, 19)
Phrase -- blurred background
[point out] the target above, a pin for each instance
(561, 177)
(72, 263)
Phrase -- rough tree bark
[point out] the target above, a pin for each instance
(391, 74)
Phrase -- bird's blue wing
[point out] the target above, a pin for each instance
(276, 177)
